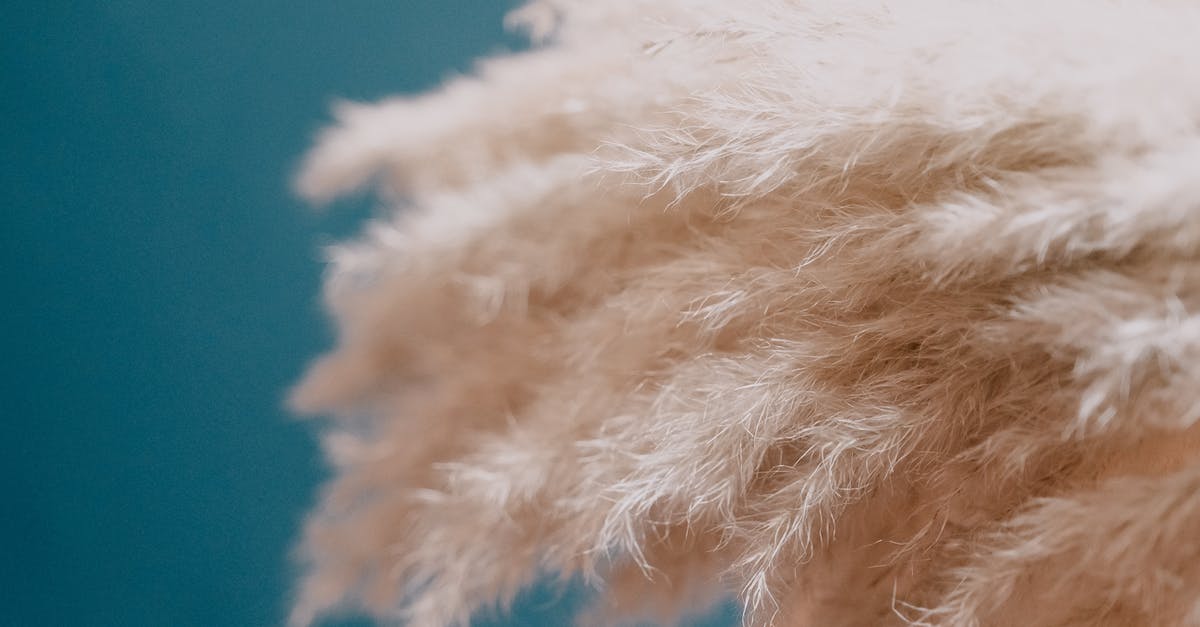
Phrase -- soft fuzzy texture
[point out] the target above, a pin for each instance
(865, 313)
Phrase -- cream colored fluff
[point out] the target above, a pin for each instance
(865, 313)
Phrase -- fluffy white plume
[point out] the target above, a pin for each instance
(862, 312)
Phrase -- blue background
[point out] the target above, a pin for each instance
(162, 291)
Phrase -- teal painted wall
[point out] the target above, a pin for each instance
(162, 291)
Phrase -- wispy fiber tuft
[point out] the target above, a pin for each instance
(865, 313)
